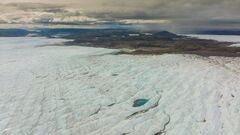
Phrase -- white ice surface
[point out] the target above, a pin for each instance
(235, 45)
(89, 91)
(224, 38)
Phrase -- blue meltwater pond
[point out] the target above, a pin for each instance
(140, 102)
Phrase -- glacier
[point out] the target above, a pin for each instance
(73, 90)
(224, 38)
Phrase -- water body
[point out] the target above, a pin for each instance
(140, 102)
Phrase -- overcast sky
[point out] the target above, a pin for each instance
(174, 15)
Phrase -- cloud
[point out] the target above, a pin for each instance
(41, 13)
(174, 14)
(44, 13)
(144, 21)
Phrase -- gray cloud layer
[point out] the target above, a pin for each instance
(175, 14)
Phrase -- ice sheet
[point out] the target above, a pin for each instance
(224, 38)
(90, 91)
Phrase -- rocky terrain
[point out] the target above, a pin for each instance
(133, 41)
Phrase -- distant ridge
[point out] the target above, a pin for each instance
(75, 32)
(166, 34)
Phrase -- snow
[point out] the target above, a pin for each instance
(134, 35)
(90, 91)
(235, 45)
(224, 38)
